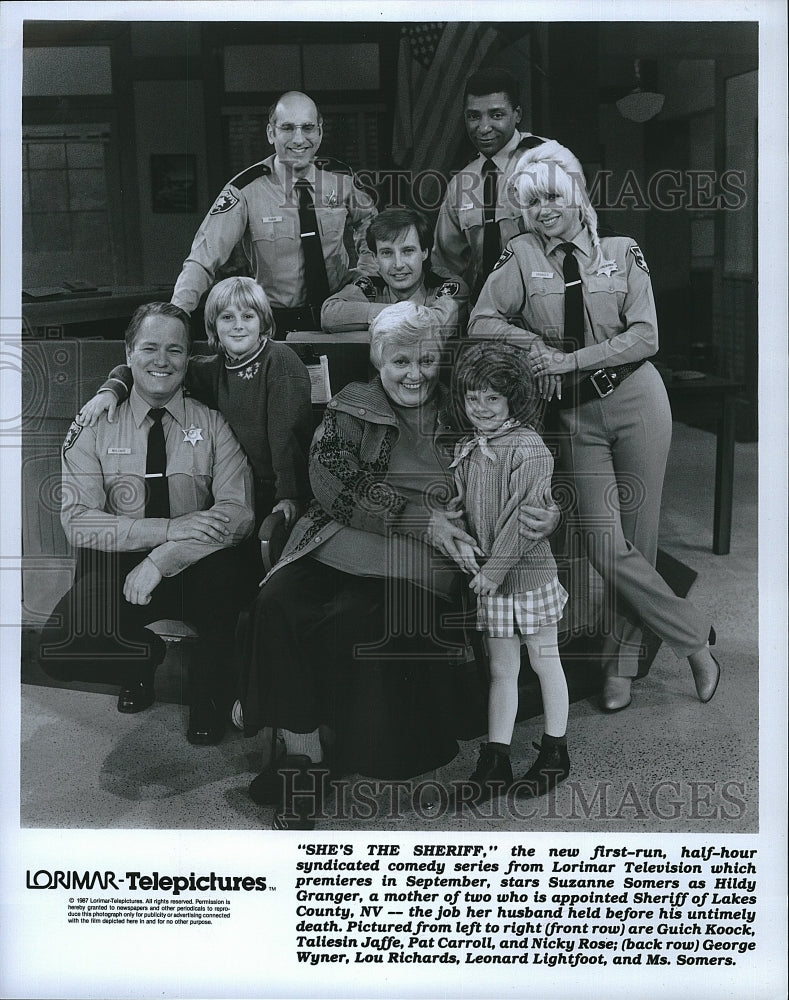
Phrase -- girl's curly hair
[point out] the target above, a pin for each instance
(503, 367)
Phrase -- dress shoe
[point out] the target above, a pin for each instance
(302, 788)
(136, 697)
(266, 788)
(491, 777)
(551, 767)
(616, 693)
(206, 723)
(706, 673)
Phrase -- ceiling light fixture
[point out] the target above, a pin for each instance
(640, 105)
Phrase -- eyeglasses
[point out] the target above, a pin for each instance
(308, 128)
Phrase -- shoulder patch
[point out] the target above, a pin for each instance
(451, 288)
(224, 203)
(73, 433)
(505, 256)
(366, 284)
(635, 249)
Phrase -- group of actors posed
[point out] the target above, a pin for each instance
(420, 508)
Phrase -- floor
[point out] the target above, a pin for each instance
(667, 763)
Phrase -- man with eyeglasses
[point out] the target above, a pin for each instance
(289, 213)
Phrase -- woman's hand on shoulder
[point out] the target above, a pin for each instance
(94, 408)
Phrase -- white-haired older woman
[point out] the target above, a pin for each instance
(349, 629)
(614, 420)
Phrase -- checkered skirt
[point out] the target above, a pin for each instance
(502, 615)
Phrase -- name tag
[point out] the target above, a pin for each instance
(271, 218)
(467, 206)
(542, 274)
(119, 451)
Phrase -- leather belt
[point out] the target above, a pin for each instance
(598, 385)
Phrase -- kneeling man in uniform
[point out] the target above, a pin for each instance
(401, 239)
(154, 504)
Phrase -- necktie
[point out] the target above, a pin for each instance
(157, 497)
(573, 301)
(314, 263)
(491, 239)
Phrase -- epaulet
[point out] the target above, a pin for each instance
(334, 166)
(607, 231)
(251, 174)
(430, 278)
(529, 142)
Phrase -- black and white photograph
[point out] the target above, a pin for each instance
(394, 462)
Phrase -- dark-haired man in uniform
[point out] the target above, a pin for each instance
(477, 217)
(401, 240)
(289, 212)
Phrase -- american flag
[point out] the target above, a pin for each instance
(434, 61)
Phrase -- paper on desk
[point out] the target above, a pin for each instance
(319, 380)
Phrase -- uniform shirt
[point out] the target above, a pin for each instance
(262, 212)
(104, 481)
(356, 306)
(620, 323)
(460, 224)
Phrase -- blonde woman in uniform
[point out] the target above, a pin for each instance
(614, 419)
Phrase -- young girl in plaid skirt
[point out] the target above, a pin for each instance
(501, 465)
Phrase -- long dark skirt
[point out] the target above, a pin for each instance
(373, 659)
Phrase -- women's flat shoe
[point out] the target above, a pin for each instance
(706, 678)
(616, 694)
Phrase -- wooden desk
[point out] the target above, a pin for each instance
(348, 354)
(711, 397)
(74, 315)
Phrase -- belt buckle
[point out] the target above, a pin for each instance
(608, 386)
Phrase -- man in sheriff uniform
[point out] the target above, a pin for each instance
(289, 212)
(155, 504)
(401, 240)
(478, 217)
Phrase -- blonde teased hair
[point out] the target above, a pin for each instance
(551, 168)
